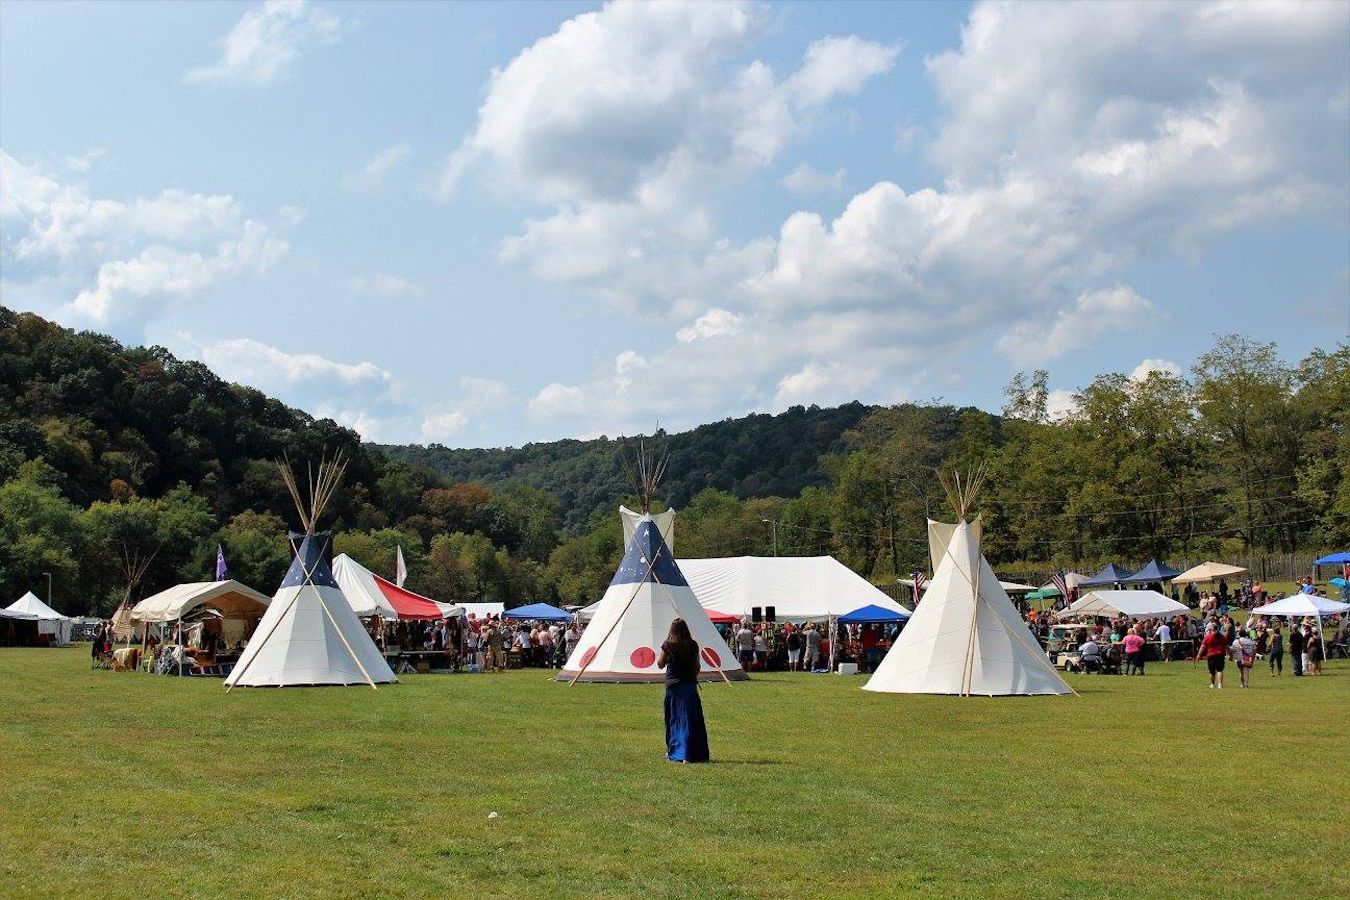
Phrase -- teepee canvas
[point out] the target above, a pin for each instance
(309, 634)
(647, 593)
(965, 637)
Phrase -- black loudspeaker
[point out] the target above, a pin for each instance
(756, 615)
(770, 614)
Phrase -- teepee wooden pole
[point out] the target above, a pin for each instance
(622, 613)
(671, 598)
(338, 629)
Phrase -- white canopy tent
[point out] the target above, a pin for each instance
(799, 588)
(49, 620)
(482, 610)
(239, 606)
(1302, 606)
(1207, 571)
(1133, 604)
(233, 599)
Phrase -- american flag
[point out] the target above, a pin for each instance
(1060, 584)
(918, 584)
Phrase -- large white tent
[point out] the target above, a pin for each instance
(233, 599)
(965, 637)
(370, 595)
(239, 605)
(799, 588)
(1134, 604)
(647, 593)
(49, 620)
(481, 610)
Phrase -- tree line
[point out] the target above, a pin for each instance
(106, 449)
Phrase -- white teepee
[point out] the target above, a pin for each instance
(965, 637)
(648, 592)
(309, 634)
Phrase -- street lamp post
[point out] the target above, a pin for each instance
(775, 533)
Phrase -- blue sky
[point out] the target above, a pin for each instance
(484, 224)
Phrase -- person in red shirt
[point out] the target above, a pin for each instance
(1214, 648)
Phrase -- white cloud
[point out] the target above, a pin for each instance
(818, 382)
(629, 123)
(266, 40)
(1091, 315)
(1161, 366)
(557, 402)
(440, 426)
(476, 397)
(1073, 141)
(383, 284)
(839, 65)
(84, 162)
(291, 215)
(121, 262)
(1061, 404)
(806, 180)
(714, 323)
(360, 395)
(371, 175)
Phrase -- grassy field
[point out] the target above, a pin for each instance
(134, 785)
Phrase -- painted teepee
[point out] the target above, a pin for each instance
(309, 634)
(965, 637)
(647, 593)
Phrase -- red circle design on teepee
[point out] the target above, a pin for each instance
(711, 658)
(588, 656)
(642, 658)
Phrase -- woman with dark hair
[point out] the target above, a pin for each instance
(686, 733)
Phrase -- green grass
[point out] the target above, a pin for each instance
(135, 785)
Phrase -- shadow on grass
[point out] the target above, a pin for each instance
(734, 761)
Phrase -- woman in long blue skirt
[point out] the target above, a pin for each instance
(686, 733)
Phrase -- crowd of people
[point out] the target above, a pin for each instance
(1218, 639)
(488, 644)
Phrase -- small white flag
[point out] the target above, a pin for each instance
(400, 568)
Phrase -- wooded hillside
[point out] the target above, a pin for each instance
(106, 449)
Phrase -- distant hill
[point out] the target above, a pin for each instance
(754, 456)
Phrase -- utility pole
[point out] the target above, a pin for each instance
(49, 587)
(775, 533)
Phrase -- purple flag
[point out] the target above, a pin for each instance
(220, 564)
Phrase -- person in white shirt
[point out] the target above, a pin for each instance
(745, 646)
(1165, 638)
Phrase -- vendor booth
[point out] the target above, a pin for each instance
(1131, 604)
(49, 622)
(210, 623)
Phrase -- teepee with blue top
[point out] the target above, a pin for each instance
(309, 634)
(648, 592)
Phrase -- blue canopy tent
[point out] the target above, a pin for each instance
(1334, 559)
(1154, 571)
(872, 614)
(541, 611)
(1111, 574)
